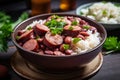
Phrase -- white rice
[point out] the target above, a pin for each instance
(90, 42)
(103, 12)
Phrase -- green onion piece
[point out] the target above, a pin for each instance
(56, 27)
(75, 40)
(17, 37)
(81, 13)
(56, 30)
(74, 22)
(55, 16)
(86, 27)
(29, 28)
(66, 46)
(104, 12)
(111, 16)
(70, 28)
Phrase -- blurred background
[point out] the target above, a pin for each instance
(11, 6)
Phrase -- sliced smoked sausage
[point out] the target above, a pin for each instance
(31, 45)
(26, 35)
(71, 30)
(41, 29)
(51, 40)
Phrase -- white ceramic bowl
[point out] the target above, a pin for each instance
(106, 25)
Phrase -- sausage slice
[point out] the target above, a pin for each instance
(31, 45)
(41, 29)
(51, 40)
(26, 35)
(71, 30)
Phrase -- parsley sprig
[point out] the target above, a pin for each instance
(6, 28)
(111, 44)
(56, 27)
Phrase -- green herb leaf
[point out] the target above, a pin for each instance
(6, 28)
(22, 17)
(75, 40)
(17, 37)
(86, 27)
(112, 44)
(70, 28)
(56, 27)
(66, 46)
(74, 22)
(29, 28)
(81, 13)
(104, 12)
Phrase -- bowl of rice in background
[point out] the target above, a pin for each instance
(105, 13)
(62, 61)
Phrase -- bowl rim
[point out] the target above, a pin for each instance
(61, 14)
(89, 4)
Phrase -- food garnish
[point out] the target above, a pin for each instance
(55, 26)
(112, 44)
(6, 28)
(75, 40)
(66, 46)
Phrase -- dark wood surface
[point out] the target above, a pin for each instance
(110, 69)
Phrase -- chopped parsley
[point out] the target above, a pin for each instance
(29, 28)
(70, 28)
(17, 37)
(81, 13)
(66, 46)
(111, 44)
(74, 23)
(104, 12)
(75, 40)
(6, 28)
(56, 27)
(86, 27)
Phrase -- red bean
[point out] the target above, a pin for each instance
(68, 52)
(68, 40)
(82, 22)
(49, 52)
(41, 52)
(40, 40)
(81, 36)
(62, 48)
(84, 33)
(42, 46)
(58, 53)
(93, 29)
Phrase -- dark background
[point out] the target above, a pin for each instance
(11, 6)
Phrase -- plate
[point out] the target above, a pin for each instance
(107, 26)
(26, 70)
